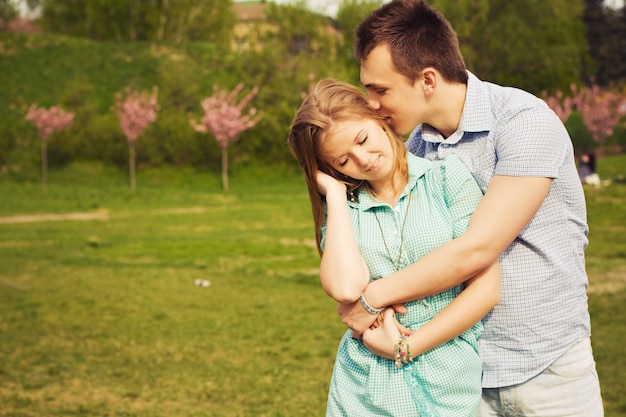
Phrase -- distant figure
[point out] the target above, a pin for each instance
(587, 169)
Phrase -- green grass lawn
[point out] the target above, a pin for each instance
(102, 317)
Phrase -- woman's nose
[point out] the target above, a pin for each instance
(362, 157)
(373, 103)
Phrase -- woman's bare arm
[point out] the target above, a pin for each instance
(343, 271)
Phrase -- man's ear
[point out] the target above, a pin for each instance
(429, 79)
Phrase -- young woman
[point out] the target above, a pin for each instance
(377, 210)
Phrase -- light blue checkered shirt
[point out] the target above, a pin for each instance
(543, 311)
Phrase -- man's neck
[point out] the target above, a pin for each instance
(449, 103)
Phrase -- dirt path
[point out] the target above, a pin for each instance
(99, 215)
(608, 283)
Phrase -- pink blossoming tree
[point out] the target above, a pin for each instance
(600, 109)
(225, 118)
(560, 104)
(136, 110)
(47, 122)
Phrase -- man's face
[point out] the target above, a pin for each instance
(392, 94)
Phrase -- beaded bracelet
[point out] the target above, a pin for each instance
(402, 351)
(368, 307)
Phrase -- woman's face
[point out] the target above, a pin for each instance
(360, 149)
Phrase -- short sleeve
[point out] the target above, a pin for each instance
(533, 143)
(461, 192)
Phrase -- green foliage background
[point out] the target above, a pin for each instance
(533, 45)
(83, 76)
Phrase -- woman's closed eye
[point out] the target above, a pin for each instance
(342, 163)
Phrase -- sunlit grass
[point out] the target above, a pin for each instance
(103, 318)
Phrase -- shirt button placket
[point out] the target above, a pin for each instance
(443, 150)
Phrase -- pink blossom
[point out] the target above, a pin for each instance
(600, 110)
(49, 120)
(562, 106)
(224, 117)
(136, 111)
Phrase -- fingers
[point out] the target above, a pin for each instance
(327, 183)
(379, 320)
(391, 322)
(403, 330)
(355, 317)
(399, 308)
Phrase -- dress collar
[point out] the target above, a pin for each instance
(417, 168)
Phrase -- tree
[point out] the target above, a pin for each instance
(47, 122)
(560, 104)
(350, 14)
(470, 20)
(185, 20)
(534, 45)
(606, 34)
(141, 20)
(8, 12)
(136, 110)
(600, 109)
(225, 119)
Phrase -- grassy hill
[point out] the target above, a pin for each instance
(83, 76)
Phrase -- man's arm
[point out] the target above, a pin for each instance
(509, 204)
(480, 295)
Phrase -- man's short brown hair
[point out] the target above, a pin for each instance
(418, 37)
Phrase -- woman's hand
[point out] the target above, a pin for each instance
(358, 320)
(327, 184)
(355, 317)
(382, 340)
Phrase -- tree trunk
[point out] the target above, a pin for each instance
(131, 164)
(162, 20)
(44, 163)
(225, 168)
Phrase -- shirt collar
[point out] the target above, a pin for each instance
(417, 168)
(476, 115)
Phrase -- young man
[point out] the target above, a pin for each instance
(536, 349)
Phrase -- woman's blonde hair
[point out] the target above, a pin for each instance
(332, 101)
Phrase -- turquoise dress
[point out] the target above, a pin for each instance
(434, 208)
